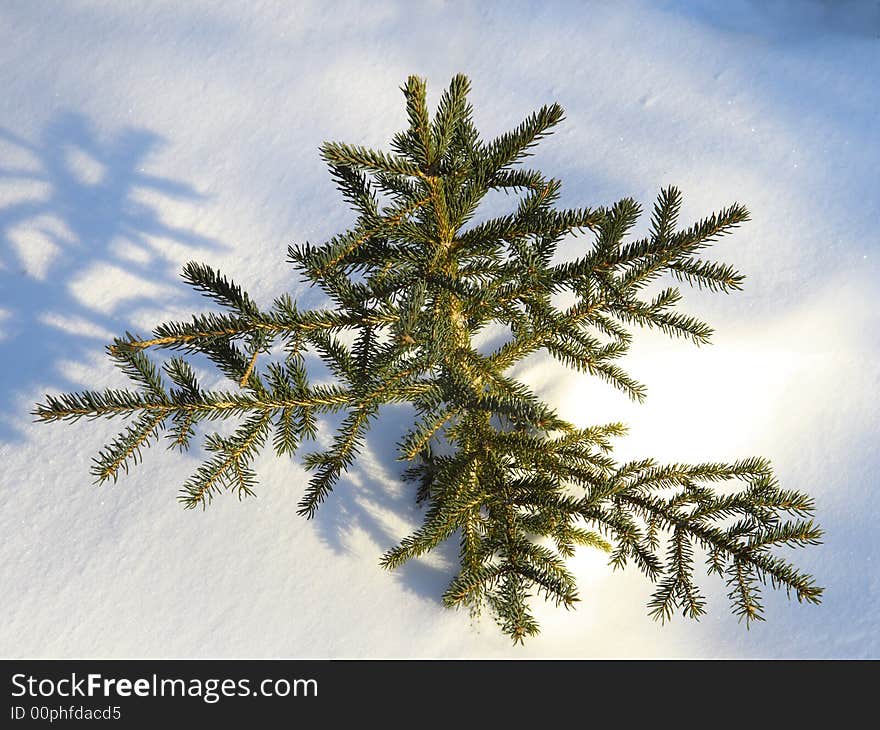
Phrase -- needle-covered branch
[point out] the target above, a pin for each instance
(409, 287)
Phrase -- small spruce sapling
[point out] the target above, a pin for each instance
(409, 285)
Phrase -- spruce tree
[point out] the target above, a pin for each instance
(496, 468)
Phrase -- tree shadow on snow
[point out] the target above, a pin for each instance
(373, 499)
(784, 20)
(82, 223)
(81, 228)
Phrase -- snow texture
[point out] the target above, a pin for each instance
(136, 136)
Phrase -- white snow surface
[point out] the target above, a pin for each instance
(136, 136)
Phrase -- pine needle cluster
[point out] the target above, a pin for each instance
(408, 287)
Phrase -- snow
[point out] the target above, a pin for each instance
(137, 136)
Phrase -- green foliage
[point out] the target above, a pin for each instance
(409, 285)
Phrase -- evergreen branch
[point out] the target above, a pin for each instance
(419, 137)
(758, 561)
(409, 286)
(125, 449)
(137, 366)
(229, 467)
(184, 430)
(356, 189)
(472, 584)
(110, 403)
(709, 274)
(331, 465)
(416, 440)
(287, 321)
(515, 145)
(367, 159)
(218, 288)
(342, 252)
(450, 112)
(243, 381)
(665, 215)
